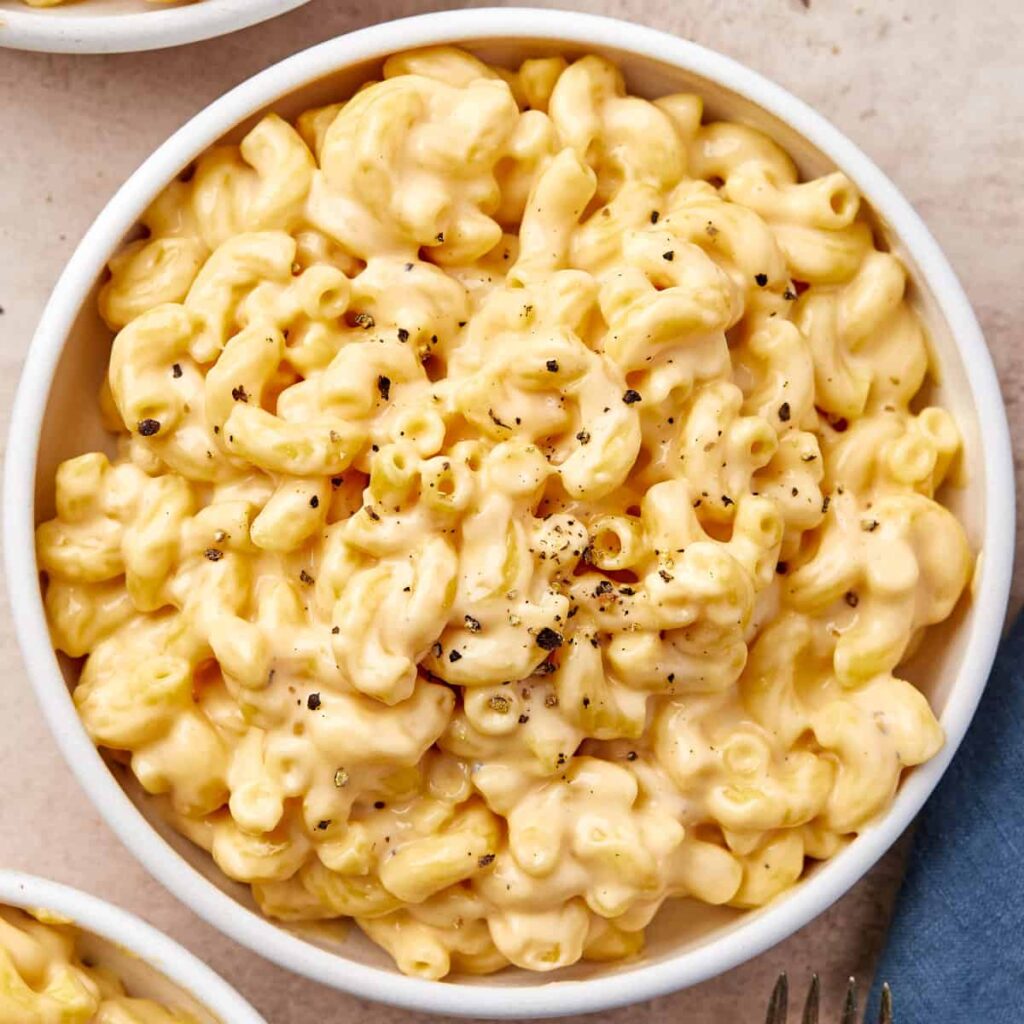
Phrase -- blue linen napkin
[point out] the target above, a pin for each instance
(955, 950)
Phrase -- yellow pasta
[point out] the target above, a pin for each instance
(521, 511)
(55, 3)
(44, 979)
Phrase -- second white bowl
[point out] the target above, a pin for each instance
(151, 965)
(121, 26)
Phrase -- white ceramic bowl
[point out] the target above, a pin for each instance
(119, 26)
(54, 417)
(151, 965)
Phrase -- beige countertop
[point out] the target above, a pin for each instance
(932, 91)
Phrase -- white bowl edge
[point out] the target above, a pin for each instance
(546, 998)
(50, 31)
(161, 953)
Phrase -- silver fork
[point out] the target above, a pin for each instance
(778, 1005)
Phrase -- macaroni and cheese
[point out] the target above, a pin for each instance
(45, 979)
(522, 505)
(59, 3)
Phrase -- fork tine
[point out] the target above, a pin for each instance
(850, 1006)
(777, 1005)
(811, 1006)
(885, 1009)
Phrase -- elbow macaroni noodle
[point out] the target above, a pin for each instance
(44, 979)
(521, 512)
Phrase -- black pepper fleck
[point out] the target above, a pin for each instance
(548, 640)
(147, 428)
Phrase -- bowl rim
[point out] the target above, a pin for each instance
(124, 929)
(543, 998)
(49, 31)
